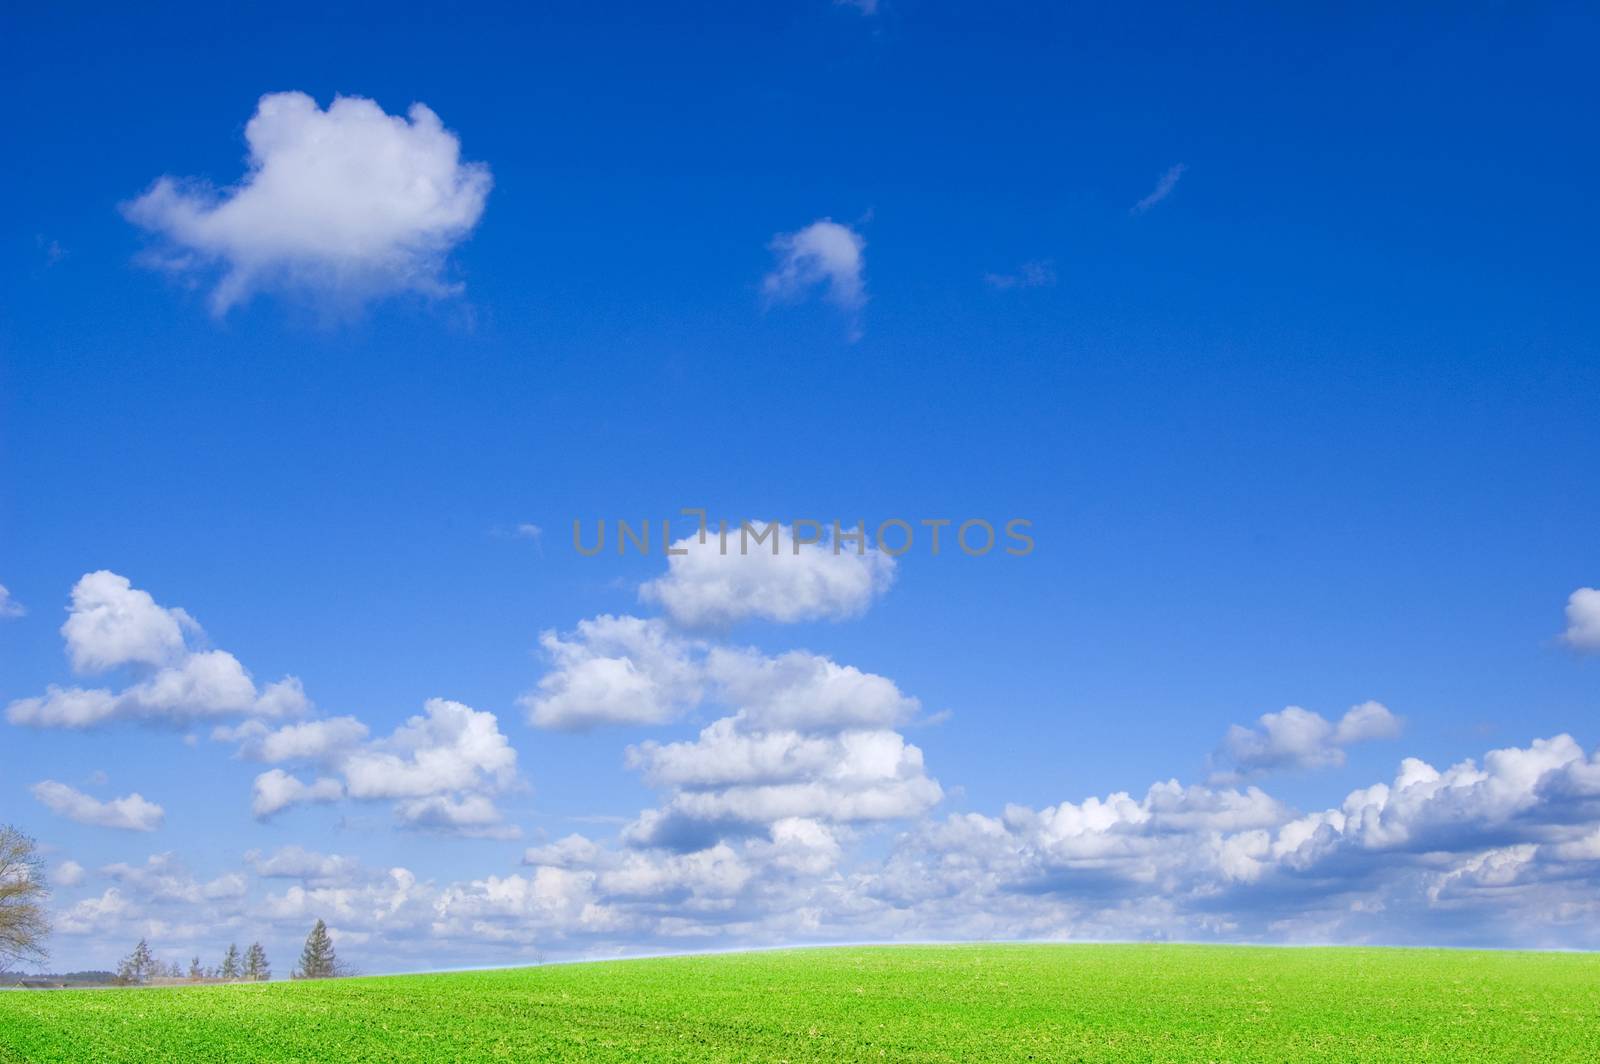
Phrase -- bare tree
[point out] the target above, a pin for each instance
(23, 925)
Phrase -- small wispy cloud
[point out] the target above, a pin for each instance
(52, 250)
(823, 256)
(9, 607)
(130, 813)
(866, 7)
(1037, 274)
(525, 530)
(1163, 189)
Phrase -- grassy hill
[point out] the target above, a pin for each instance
(898, 1003)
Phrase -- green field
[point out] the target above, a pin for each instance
(903, 1003)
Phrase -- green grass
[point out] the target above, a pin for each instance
(898, 1003)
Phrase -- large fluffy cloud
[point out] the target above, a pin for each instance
(709, 586)
(614, 670)
(112, 624)
(347, 202)
(440, 768)
(130, 813)
(1296, 738)
(625, 670)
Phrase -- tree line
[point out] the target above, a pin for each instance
(143, 966)
(318, 960)
(24, 926)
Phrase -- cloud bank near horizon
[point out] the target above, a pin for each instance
(801, 813)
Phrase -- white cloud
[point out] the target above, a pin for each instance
(276, 790)
(312, 740)
(67, 874)
(729, 779)
(164, 878)
(1366, 722)
(624, 670)
(824, 254)
(130, 813)
(1501, 851)
(439, 768)
(451, 747)
(806, 691)
(349, 203)
(614, 670)
(473, 815)
(9, 607)
(112, 624)
(1296, 738)
(709, 588)
(866, 7)
(297, 862)
(1164, 188)
(1583, 619)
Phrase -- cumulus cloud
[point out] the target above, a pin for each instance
(67, 874)
(129, 813)
(164, 878)
(807, 739)
(707, 587)
(347, 203)
(275, 790)
(804, 691)
(440, 768)
(313, 740)
(297, 862)
(729, 779)
(1583, 619)
(450, 747)
(1296, 738)
(824, 255)
(9, 607)
(472, 815)
(111, 624)
(1164, 188)
(614, 670)
(625, 670)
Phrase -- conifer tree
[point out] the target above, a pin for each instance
(230, 962)
(255, 963)
(139, 965)
(317, 960)
(196, 973)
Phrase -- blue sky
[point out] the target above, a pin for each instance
(1314, 428)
